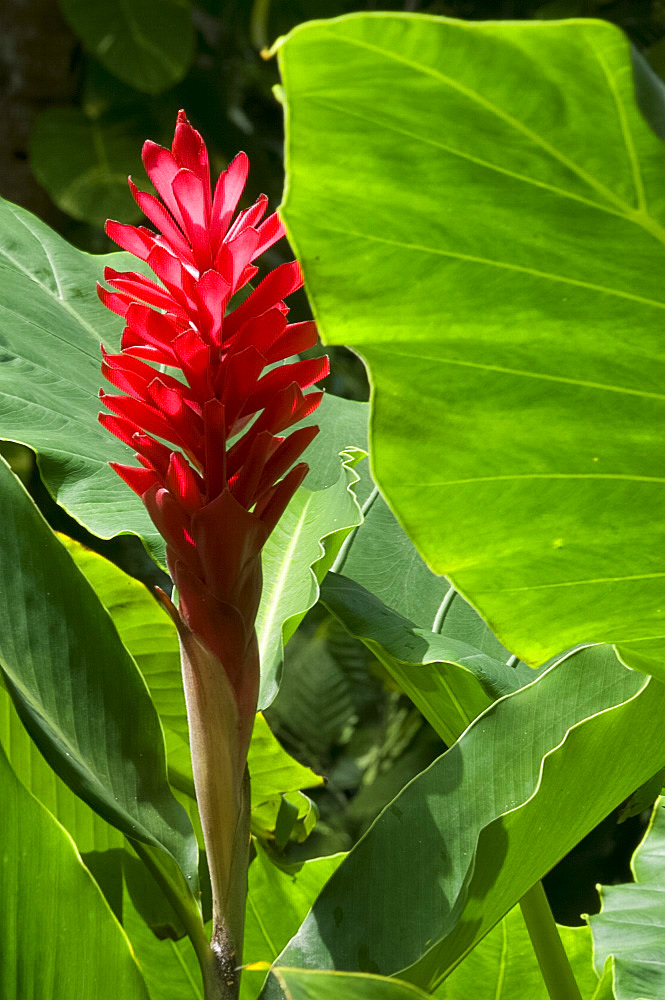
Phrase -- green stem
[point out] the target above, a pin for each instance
(191, 919)
(552, 958)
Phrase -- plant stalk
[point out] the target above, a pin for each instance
(552, 959)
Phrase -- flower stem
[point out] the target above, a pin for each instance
(552, 959)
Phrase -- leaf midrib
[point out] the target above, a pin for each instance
(504, 116)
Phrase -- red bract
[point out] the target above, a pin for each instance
(219, 485)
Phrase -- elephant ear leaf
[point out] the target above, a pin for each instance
(509, 305)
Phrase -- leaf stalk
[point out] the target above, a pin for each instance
(552, 958)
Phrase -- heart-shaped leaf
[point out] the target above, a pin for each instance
(491, 241)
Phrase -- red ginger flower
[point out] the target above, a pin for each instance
(216, 495)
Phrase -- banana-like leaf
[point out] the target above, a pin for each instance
(631, 925)
(86, 828)
(469, 836)
(78, 691)
(59, 937)
(491, 241)
(296, 557)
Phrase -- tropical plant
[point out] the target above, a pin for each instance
(477, 211)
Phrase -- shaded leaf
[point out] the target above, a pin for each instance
(277, 903)
(148, 44)
(318, 985)
(456, 848)
(86, 828)
(51, 325)
(450, 681)
(83, 162)
(513, 333)
(88, 955)
(78, 691)
(169, 967)
(295, 557)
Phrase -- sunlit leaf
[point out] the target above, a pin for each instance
(59, 938)
(490, 240)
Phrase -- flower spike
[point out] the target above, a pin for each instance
(214, 503)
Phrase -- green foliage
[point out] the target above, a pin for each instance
(83, 162)
(489, 237)
(450, 681)
(318, 985)
(59, 651)
(504, 967)
(51, 325)
(277, 903)
(150, 636)
(630, 926)
(296, 556)
(148, 44)
(508, 305)
(59, 938)
(454, 861)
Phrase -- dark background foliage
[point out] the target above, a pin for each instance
(81, 92)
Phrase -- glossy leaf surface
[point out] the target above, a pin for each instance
(513, 332)
(86, 828)
(309, 985)
(455, 850)
(76, 688)
(45, 886)
(294, 559)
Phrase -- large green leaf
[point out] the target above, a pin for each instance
(449, 680)
(278, 901)
(77, 690)
(86, 828)
(59, 938)
(148, 44)
(151, 637)
(51, 325)
(469, 836)
(631, 924)
(505, 289)
(169, 967)
(504, 966)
